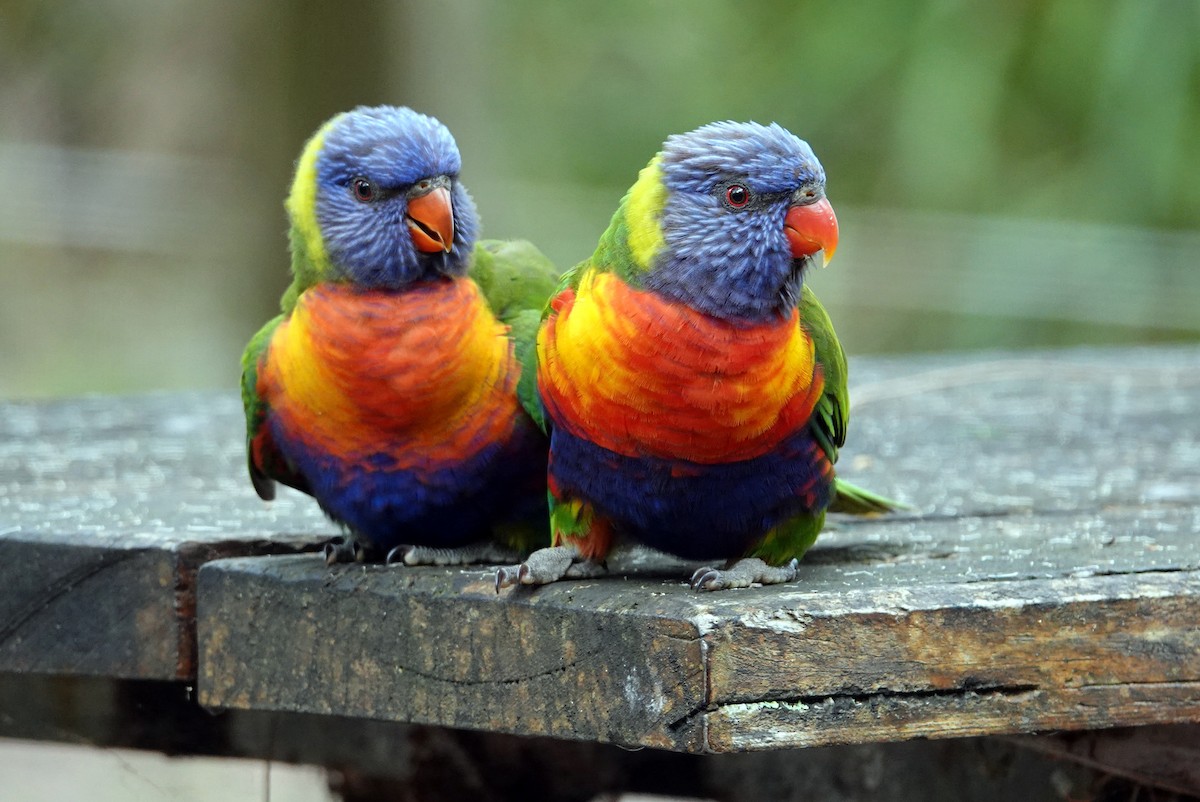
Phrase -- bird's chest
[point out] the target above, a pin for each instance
(377, 372)
(641, 376)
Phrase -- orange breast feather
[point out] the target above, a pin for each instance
(415, 378)
(642, 376)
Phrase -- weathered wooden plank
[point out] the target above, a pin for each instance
(165, 465)
(423, 764)
(768, 670)
(59, 613)
(107, 507)
(1050, 578)
(1061, 431)
(123, 607)
(925, 662)
(890, 717)
(930, 549)
(994, 636)
(441, 647)
(1081, 465)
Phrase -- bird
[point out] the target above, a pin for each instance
(692, 383)
(387, 389)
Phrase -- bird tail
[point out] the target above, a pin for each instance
(852, 499)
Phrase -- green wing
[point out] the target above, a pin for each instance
(265, 463)
(518, 281)
(256, 406)
(513, 275)
(833, 409)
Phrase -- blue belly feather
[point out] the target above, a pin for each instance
(694, 511)
(445, 506)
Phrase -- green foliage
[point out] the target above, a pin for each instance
(168, 166)
(1069, 108)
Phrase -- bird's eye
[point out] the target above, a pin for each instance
(363, 189)
(737, 196)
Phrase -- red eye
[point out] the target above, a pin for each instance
(364, 190)
(737, 196)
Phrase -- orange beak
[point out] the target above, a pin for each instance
(810, 228)
(431, 221)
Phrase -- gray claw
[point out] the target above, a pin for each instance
(743, 574)
(343, 549)
(703, 577)
(358, 551)
(507, 576)
(548, 565)
(397, 555)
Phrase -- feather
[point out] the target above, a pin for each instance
(694, 389)
(388, 389)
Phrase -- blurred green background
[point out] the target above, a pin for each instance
(1006, 175)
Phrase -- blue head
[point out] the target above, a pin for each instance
(377, 201)
(743, 213)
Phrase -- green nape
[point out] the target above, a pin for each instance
(310, 261)
(634, 238)
(612, 255)
(304, 274)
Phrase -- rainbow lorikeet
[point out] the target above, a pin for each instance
(692, 382)
(388, 388)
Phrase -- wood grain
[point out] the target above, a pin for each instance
(107, 507)
(1049, 579)
(442, 647)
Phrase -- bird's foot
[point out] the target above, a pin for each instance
(549, 565)
(345, 549)
(485, 552)
(743, 574)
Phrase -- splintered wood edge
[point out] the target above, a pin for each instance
(897, 717)
(1029, 633)
(954, 661)
(190, 556)
(998, 657)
